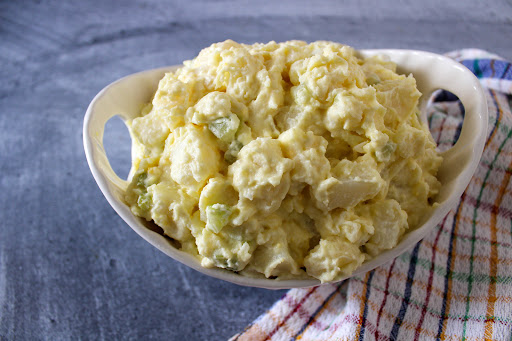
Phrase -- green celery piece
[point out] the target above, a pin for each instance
(217, 216)
(145, 201)
(220, 258)
(141, 178)
(232, 263)
(385, 153)
(225, 128)
(229, 264)
(232, 153)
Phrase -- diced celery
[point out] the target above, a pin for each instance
(141, 178)
(145, 201)
(217, 216)
(220, 258)
(232, 153)
(225, 128)
(229, 263)
(232, 264)
(385, 153)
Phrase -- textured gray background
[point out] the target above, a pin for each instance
(69, 266)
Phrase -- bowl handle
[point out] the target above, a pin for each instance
(434, 72)
(94, 127)
(124, 98)
(437, 72)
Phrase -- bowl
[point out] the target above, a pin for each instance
(126, 96)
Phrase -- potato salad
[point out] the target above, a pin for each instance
(283, 160)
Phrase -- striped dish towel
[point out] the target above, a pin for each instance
(454, 284)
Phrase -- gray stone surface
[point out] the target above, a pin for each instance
(70, 268)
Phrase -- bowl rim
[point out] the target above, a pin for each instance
(467, 88)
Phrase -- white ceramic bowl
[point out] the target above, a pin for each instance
(126, 96)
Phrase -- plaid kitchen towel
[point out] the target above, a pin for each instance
(454, 284)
